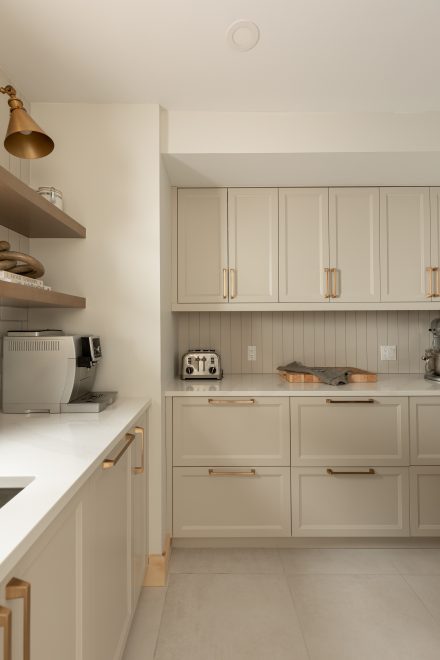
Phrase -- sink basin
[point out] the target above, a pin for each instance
(11, 486)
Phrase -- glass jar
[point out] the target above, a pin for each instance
(52, 195)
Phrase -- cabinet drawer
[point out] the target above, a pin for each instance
(425, 501)
(205, 503)
(231, 431)
(350, 504)
(349, 431)
(424, 429)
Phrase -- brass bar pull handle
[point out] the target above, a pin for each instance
(436, 292)
(6, 626)
(139, 469)
(334, 272)
(231, 402)
(111, 462)
(233, 282)
(21, 589)
(327, 283)
(336, 472)
(429, 270)
(225, 473)
(225, 283)
(350, 401)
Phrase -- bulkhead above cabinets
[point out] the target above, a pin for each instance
(263, 249)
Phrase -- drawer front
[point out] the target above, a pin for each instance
(208, 504)
(349, 431)
(350, 504)
(425, 501)
(425, 430)
(231, 431)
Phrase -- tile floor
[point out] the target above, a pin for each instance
(263, 604)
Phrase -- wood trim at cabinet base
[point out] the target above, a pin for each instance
(156, 574)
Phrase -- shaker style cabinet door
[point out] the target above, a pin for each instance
(253, 245)
(304, 245)
(354, 244)
(405, 245)
(202, 246)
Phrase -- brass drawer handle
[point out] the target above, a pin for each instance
(139, 469)
(241, 473)
(327, 283)
(336, 472)
(334, 272)
(6, 626)
(350, 401)
(21, 589)
(225, 283)
(232, 402)
(111, 462)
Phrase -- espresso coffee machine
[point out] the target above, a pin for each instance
(432, 355)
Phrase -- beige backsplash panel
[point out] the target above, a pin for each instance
(315, 338)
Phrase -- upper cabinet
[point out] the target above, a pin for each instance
(253, 245)
(308, 248)
(405, 226)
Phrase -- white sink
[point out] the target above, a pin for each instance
(11, 486)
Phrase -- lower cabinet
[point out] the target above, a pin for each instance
(225, 501)
(73, 594)
(425, 500)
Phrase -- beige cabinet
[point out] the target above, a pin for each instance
(425, 501)
(139, 508)
(425, 430)
(349, 431)
(230, 501)
(350, 501)
(202, 245)
(405, 244)
(231, 431)
(304, 244)
(253, 245)
(354, 244)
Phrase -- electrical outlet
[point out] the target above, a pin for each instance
(388, 353)
(252, 353)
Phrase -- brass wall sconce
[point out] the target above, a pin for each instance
(24, 138)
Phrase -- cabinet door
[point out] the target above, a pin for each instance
(434, 194)
(405, 244)
(202, 245)
(425, 498)
(53, 570)
(354, 244)
(253, 244)
(424, 429)
(304, 244)
(107, 561)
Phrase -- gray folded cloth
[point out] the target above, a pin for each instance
(329, 375)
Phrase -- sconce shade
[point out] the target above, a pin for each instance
(24, 138)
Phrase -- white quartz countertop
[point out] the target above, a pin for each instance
(273, 385)
(59, 452)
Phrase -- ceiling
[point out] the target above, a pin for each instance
(313, 55)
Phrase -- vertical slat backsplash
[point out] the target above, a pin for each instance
(315, 338)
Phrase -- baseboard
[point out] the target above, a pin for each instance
(307, 542)
(156, 573)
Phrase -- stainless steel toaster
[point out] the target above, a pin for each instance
(201, 363)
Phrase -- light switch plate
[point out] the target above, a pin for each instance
(252, 353)
(388, 353)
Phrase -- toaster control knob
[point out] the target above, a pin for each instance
(212, 370)
(189, 370)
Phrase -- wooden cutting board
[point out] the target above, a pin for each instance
(357, 376)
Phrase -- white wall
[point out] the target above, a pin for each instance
(107, 163)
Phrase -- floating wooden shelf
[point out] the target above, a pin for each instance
(17, 295)
(25, 211)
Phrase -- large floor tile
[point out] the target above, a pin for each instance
(225, 560)
(427, 587)
(229, 617)
(363, 617)
(330, 561)
(417, 562)
(142, 640)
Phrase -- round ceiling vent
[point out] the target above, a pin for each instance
(243, 35)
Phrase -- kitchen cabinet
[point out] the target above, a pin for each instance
(304, 244)
(253, 245)
(227, 245)
(425, 498)
(83, 575)
(405, 244)
(425, 424)
(354, 245)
